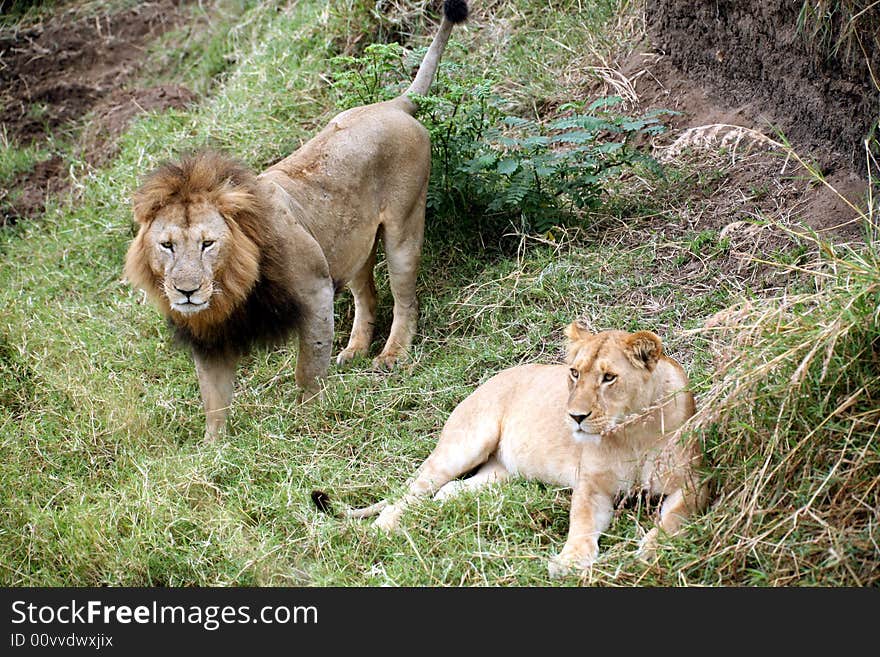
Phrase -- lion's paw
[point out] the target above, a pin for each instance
(308, 395)
(386, 360)
(213, 435)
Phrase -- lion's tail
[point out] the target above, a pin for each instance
(323, 503)
(454, 11)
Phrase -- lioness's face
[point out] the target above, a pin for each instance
(185, 246)
(609, 379)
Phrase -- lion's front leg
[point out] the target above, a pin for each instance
(591, 512)
(315, 341)
(216, 380)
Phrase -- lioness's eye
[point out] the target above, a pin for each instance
(608, 377)
(206, 244)
(167, 245)
(574, 373)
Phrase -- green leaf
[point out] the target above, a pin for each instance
(582, 121)
(517, 122)
(480, 163)
(575, 137)
(535, 140)
(633, 125)
(604, 103)
(609, 147)
(507, 166)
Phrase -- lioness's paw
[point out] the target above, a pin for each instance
(347, 355)
(388, 520)
(565, 564)
(647, 551)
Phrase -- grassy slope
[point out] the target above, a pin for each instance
(103, 476)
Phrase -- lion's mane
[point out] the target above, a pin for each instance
(254, 305)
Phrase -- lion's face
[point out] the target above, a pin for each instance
(609, 379)
(196, 253)
(186, 247)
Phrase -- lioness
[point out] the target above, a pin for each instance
(234, 259)
(603, 424)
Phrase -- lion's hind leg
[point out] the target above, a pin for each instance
(403, 250)
(674, 512)
(363, 288)
(491, 472)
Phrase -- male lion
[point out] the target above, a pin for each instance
(603, 424)
(235, 260)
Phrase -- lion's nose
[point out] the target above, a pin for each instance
(186, 293)
(580, 417)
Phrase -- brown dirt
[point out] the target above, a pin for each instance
(753, 54)
(757, 179)
(32, 189)
(55, 72)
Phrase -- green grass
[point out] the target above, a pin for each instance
(15, 159)
(103, 478)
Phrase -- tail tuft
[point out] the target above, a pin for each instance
(322, 501)
(456, 11)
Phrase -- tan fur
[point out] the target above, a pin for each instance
(603, 424)
(217, 244)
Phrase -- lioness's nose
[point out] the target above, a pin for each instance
(186, 293)
(580, 417)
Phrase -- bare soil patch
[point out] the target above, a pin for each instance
(763, 58)
(758, 179)
(57, 71)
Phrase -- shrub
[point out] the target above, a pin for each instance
(532, 174)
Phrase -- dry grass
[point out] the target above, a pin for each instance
(732, 139)
(792, 423)
(845, 28)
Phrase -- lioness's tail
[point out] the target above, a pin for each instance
(322, 502)
(454, 11)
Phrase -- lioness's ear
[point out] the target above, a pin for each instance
(644, 349)
(577, 331)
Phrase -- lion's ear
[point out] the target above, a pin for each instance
(155, 192)
(644, 349)
(577, 331)
(232, 201)
(144, 206)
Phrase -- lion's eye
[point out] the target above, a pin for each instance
(168, 246)
(574, 373)
(206, 244)
(608, 377)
